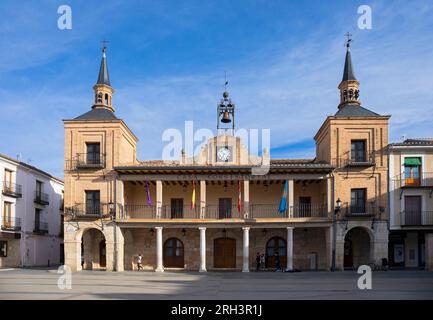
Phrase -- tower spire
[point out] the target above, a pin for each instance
(102, 88)
(349, 85)
(103, 77)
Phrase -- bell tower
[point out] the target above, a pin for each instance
(226, 114)
(349, 85)
(102, 88)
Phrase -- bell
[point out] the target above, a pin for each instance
(226, 118)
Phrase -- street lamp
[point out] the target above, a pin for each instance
(334, 231)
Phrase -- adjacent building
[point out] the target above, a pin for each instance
(31, 206)
(411, 203)
(217, 209)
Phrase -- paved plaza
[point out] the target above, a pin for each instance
(42, 284)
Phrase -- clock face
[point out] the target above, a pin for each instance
(224, 154)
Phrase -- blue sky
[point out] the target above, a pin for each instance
(284, 61)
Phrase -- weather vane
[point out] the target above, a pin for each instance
(104, 44)
(349, 39)
(225, 81)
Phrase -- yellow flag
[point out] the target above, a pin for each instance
(193, 196)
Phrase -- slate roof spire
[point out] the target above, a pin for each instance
(349, 85)
(103, 77)
(348, 68)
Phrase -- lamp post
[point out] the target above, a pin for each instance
(334, 232)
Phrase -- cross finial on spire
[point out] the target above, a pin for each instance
(349, 39)
(104, 45)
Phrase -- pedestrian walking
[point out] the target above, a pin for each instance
(262, 261)
(277, 261)
(139, 258)
(258, 259)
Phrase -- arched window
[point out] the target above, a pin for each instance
(106, 98)
(99, 99)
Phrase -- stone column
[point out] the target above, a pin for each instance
(290, 198)
(73, 255)
(159, 264)
(289, 266)
(158, 199)
(119, 246)
(202, 199)
(202, 249)
(247, 199)
(246, 250)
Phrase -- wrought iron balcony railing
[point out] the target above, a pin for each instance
(347, 160)
(300, 210)
(12, 189)
(217, 212)
(11, 224)
(140, 211)
(367, 209)
(86, 161)
(184, 212)
(144, 211)
(41, 227)
(42, 198)
(423, 180)
(416, 218)
(86, 210)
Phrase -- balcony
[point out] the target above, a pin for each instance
(300, 210)
(215, 212)
(11, 224)
(41, 198)
(12, 190)
(90, 161)
(219, 213)
(424, 180)
(41, 227)
(185, 212)
(90, 211)
(363, 210)
(360, 161)
(416, 218)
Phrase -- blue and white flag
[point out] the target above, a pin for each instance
(283, 202)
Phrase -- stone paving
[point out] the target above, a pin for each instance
(42, 284)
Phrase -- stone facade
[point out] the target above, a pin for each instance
(147, 207)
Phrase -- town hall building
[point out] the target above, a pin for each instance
(209, 211)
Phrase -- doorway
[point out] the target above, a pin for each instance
(174, 253)
(225, 253)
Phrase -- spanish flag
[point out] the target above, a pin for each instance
(193, 195)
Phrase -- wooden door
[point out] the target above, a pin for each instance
(102, 254)
(305, 206)
(176, 208)
(348, 253)
(225, 208)
(8, 180)
(174, 253)
(412, 210)
(225, 253)
(7, 214)
(276, 249)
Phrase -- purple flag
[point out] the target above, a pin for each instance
(149, 201)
